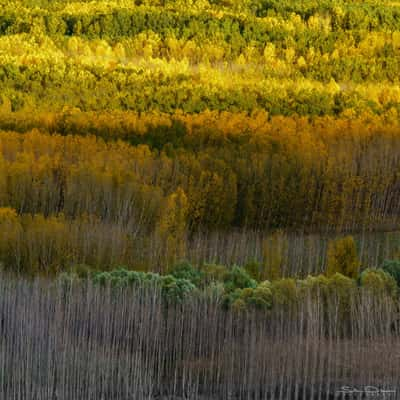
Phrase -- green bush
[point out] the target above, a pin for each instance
(378, 281)
(313, 285)
(253, 268)
(259, 298)
(185, 270)
(284, 291)
(238, 278)
(123, 278)
(101, 278)
(392, 267)
(340, 283)
(175, 290)
(237, 289)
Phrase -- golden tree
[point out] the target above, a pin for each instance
(171, 227)
(342, 257)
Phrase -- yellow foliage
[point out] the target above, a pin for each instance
(172, 226)
(301, 62)
(342, 258)
(7, 215)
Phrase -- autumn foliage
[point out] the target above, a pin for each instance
(199, 199)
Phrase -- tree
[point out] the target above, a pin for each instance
(342, 258)
(185, 270)
(172, 226)
(392, 267)
(284, 291)
(238, 278)
(274, 249)
(378, 281)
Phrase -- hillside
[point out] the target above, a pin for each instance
(177, 126)
(199, 199)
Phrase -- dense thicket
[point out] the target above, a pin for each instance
(311, 59)
(231, 170)
(186, 177)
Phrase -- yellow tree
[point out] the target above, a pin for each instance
(342, 257)
(172, 226)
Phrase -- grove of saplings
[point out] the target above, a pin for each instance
(199, 199)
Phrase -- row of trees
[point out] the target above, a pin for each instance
(287, 174)
(163, 87)
(35, 73)
(165, 56)
(124, 18)
(245, 288)
(370, 58)
(252, 173)
(36, 244)
(95, 342)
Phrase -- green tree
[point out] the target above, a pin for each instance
(392, 267)
(238, 278)
(185, 270)
(378, 281)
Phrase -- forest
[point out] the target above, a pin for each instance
(199, 199)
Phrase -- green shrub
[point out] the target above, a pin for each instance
(378, 281)
(123, 278)
(392, 267)
(259, 298)
(142, 278)
(185, 270)
(231, 298)
(253, 268)
(175, 290)
(284, 291)
(238, 278)
(341, 283)
(101, 278)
